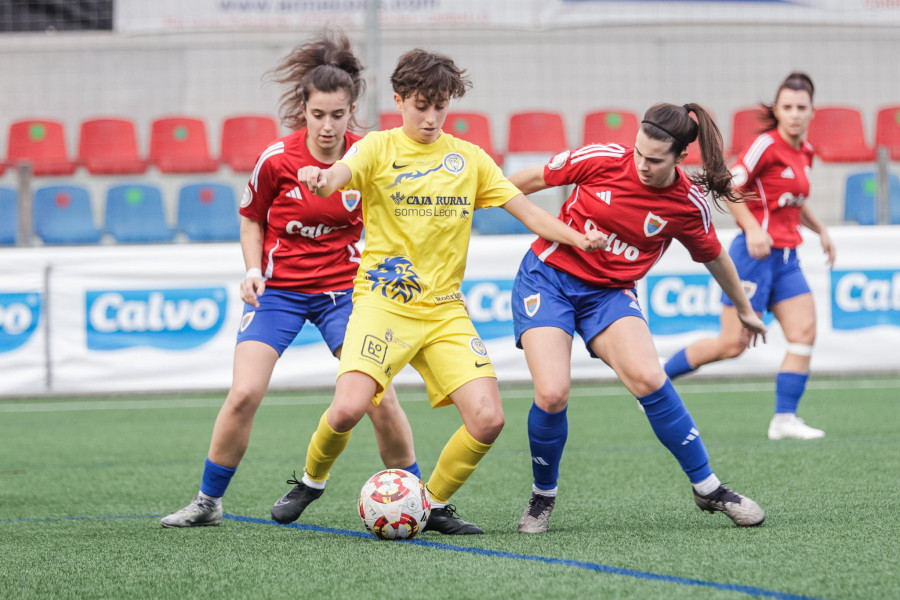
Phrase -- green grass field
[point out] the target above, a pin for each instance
(83, 482)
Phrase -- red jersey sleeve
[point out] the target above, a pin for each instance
(580, 165)
(262, 187)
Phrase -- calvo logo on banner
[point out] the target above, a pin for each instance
(20, 314)
(170, 319)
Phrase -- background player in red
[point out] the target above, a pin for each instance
(773, 174)
(642, 200)
(301, 258)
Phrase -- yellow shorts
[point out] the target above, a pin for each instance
(444, 349)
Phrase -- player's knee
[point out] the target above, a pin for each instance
(552, 398)
(343, 416)
(732, 348)
(488, 424)
(244, 399)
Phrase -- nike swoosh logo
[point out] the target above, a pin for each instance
(282, 502)
(478, 365)
(396, 166)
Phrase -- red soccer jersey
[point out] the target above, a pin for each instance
(641, 221)
(778, 174)
(309, 243)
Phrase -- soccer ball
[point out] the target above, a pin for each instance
(394, 505)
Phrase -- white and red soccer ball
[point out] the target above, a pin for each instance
(394, 505)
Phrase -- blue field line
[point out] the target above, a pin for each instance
(588, 566)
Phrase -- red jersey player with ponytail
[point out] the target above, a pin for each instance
(642, 200)
(301, 258)
(773, 174)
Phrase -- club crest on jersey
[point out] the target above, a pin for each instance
(532, 304)
(246, 319)
(477, 346)
(396, 278)
(247, 198)
(653, 224)
(454, 163)
(350, 199)
(558, 161)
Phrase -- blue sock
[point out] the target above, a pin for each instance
(675, 428)
(215, 479)
(678, 365)
(547, 433)
(789, 387)
(414, 469)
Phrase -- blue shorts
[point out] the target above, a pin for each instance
(545, 297)
(767, 282)
(282, 313)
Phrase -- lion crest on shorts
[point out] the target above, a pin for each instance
(396, 279)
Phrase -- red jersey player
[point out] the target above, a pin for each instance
(301, 258)
(773, 173)
(642, 200)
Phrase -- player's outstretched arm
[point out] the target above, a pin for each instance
(324, 183)
(723, 271)
(529, 180)
(550, 228)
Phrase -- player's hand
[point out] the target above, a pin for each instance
(312, 177)
(827, 248)
(759, 244)
(593, 240)
(754, 328)
(252, 288)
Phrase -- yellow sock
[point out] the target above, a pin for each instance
(457, 461)
(324, 448)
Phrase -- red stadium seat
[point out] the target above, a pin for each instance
(472, 127)
(389, 120)
(745, 127)
(109, 147)
(887, 130)
(611, 126)
(244, 137)
(42, 143)
(178, 145)
(836, 134)
(541, 132)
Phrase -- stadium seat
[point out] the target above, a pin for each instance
(9, 216)
(836, 134)
(244, 137)
(63, 215)
(43, 144)
(389, 120)
(109, 147)
(611, 126)
(207, 212)
(135, 214)
(179, 145)
(536, 132)
(496, 221)
(746, 124)
(473, 127)
(860, 199)
(887, 130)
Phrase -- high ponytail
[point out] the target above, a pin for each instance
(670, 122)
(325, 64)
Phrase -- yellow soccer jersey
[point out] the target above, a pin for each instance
(418, 201)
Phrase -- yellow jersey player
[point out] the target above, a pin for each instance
(419, 189)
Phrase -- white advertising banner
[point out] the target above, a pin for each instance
(140, 16)
(148, 318)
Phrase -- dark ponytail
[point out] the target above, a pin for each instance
(669, 122)
(325, 64)
(796, 81)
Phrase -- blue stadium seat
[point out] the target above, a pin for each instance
(9, 216)
(861, 197)
(207, 212)
(63, 215)
(496, 221)
(135, 214)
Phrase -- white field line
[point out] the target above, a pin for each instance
(414, 395)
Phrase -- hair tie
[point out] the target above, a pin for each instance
(687, 107)
(671, 135)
